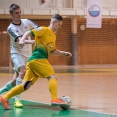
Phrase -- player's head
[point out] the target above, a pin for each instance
(15, 12)
(56, 22)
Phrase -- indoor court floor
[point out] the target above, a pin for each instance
(93, 93)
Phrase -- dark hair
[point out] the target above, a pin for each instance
(13, 7)
(58, 17)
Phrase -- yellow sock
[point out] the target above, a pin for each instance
(14, 91)
(53, 88)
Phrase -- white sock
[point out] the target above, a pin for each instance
(6, 88)
(18, 81)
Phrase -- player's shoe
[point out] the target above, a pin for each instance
(58, 102)
(18, 104)
(5, 103)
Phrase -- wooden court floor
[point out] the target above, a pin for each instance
(93, 93)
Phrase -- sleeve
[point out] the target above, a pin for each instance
(32, 24)
(38, 31)
(13, 33)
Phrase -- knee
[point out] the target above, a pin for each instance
(51, 77)
(27, 85)
(22, 71)
(21, 74)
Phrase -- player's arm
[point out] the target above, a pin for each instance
(23, 40)
(26, 41)
(61, 53)
(17, 37)
(29, 41)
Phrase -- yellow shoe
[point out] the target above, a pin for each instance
(18, 104)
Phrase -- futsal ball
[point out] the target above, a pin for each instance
(66, 99)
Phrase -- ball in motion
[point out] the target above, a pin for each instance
(66, 99)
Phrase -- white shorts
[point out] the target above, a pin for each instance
(18, 60)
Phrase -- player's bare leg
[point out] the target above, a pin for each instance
(21, 74)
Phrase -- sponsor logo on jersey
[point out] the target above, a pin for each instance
(50, 35)
(25, 27)
(50, 45)
(17, 31)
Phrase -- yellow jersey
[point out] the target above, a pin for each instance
(45, 40)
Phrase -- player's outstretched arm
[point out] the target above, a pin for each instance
(63, 53)
(22, 40)
(29, 41)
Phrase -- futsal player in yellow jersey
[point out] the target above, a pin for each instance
(38, 65)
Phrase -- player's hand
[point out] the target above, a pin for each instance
(32, 42)
(21, 43)
(68, 54)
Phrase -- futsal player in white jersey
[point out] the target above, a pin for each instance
(19, 55)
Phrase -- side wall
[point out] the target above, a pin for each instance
(95, 46)
(63, 42)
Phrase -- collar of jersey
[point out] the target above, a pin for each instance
(17, 24)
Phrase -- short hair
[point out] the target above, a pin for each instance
(13, 7)
(57, 17)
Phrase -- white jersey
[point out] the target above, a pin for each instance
(18, 30)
